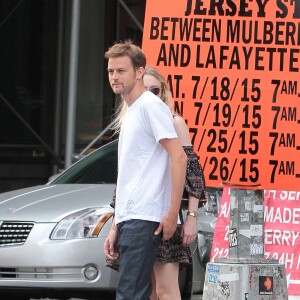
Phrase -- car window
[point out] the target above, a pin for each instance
(98, 167)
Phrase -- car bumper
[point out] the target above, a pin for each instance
(55, 263)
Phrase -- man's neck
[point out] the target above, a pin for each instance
(134, 95)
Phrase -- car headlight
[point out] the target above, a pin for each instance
(83, 224)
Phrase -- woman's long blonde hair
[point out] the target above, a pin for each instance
(166, 97)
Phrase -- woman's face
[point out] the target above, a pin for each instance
(152, 84)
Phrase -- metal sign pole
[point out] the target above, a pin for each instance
(245, 274)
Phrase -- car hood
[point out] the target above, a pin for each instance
(51, 203)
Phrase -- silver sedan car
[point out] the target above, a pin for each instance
(51, 236)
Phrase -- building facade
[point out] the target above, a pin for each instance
(54, 93)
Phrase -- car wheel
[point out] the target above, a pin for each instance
(104, 295)
(15, 297)
(185, 282)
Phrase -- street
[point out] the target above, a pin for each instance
(196, 297)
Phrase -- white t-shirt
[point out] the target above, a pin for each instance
(144, 169)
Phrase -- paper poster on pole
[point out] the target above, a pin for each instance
(281, 232)
(233, 69)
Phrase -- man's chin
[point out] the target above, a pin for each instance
(117, 91)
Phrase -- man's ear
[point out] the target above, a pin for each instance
(140, 73)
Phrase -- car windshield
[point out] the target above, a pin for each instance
(98, 167)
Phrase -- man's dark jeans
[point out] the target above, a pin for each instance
(138, 248)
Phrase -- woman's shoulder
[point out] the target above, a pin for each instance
(182, 130)
(178, 120)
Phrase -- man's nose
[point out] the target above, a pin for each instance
(114, 75)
